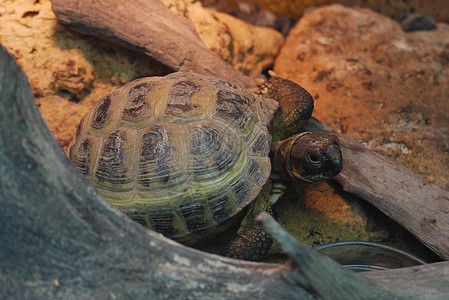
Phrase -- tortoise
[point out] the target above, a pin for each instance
(185, 154)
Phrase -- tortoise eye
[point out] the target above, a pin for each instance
(313, 159)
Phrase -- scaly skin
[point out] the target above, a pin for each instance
(295, 106)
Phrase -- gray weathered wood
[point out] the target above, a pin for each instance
(421, 282)
(146, 26)
(419, 206)
(424, 282)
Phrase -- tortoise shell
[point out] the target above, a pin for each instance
(181, 154)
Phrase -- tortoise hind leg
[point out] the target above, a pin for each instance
(252, 243)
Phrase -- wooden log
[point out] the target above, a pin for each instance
(423, 282)
(147, 26)
(419, 206)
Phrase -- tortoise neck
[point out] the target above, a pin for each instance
(281, 159)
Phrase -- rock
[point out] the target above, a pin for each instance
(248, 48)
(418, 22)
(315, 222)
(322, 214)
(64, 67)
(375, 83)
(73, 75)
(70, 72)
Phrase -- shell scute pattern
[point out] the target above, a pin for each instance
(162, 221)
(181, 154)
(81, 156)
(214, 151)
(260, 143)
(242, 190)
(155, 165)
(195, 217)
(102, 113)
(180, 98)
(220, 208)
(112, 168)
(237, 109)
(254, 172)
(137, 106)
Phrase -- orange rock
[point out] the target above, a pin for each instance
(336, 208)
(375, 83)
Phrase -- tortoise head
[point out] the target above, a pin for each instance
(309, 157)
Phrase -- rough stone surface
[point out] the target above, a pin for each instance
(248, 48)
(68, 72)
(377, 84)
(318, 215)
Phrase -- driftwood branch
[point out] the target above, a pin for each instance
(419, 206)
(147, 27)
(423, 282)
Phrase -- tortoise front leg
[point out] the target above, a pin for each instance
(295, 105)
